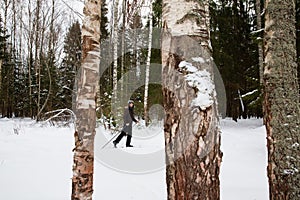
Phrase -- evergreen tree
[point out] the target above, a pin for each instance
(70, 65)
(7, 74)
(49, 84)
(20, 93)
(236, 55)
(157, 11)
(3, 38)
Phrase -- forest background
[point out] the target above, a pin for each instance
(40, 52)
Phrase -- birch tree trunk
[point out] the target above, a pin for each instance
(50, 57)
(83, 166)
(192, 136)
(281, 100)
(148, 66)
(115, 49)
(123, 47)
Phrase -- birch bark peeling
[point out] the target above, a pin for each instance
(83, 166)
(192, 136)
(184, 17)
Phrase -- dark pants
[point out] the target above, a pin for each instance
(121, 136)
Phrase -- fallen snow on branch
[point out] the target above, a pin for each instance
(202, 81)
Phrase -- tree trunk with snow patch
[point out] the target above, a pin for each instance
(192, 135)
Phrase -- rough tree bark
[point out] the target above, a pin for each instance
(83, 166)
(192, 136)
(281, 100)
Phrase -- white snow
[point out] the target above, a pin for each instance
(200, 79)
(36, 162)
(295, 145)
(198, 59)
(243, 171)
(249, 93)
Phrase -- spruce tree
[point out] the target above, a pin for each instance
(236, 56)
(70, 65)
(7, 74)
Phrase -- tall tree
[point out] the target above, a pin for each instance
(192, 136)
(281, 100)
(3, 38)
(70, 66)
(298, 37)
(236, 52)
(146, 117)
(115, 47)
(83, 166)
(6, 73)
(260, 46)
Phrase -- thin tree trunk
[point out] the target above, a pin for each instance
(37, 55)
(192, 136)
(260, 45)
(6, 7)
(281, 100)
(42, 59)
(260, 48)
(49, 58)
(83, 165)
(123, 48)
(115, 50)
(21, 31)
(14, 24)
(2, 109)
(30, 57)
(146, 116)
(6, 97)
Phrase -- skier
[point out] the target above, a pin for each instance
(127, 128)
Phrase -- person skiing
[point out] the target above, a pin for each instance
(127, 128)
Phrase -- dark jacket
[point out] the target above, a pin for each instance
(128, 119)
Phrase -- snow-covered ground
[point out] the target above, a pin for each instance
(243, 171)
(36, 163)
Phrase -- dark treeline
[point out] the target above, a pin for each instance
(235, 41)
(43, 81)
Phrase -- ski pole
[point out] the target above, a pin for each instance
(114, 137)
(110, 140)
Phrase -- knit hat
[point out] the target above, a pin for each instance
(130, 101)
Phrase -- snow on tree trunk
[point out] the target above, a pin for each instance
(281, 100)
(148, 66)
(192, 135)
(83, 166)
